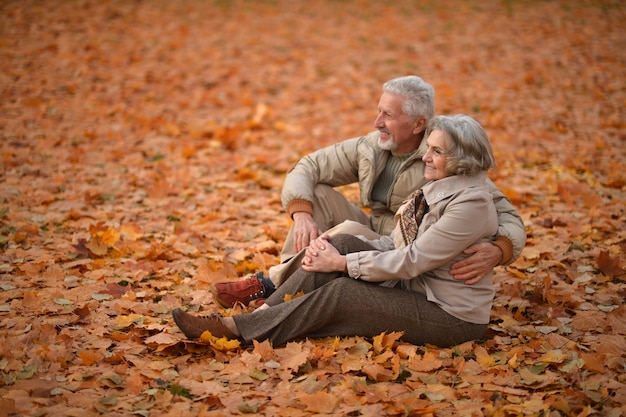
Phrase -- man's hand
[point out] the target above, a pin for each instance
(304, 230)
(471, 270)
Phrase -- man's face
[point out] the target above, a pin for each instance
(398, 133)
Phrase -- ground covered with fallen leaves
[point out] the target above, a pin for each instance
(143, 145)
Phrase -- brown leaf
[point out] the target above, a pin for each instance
(609, 265)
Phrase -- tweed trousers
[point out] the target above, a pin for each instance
(336, 305)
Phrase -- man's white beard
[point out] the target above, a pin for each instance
(389, 145)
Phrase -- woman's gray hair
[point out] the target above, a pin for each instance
(420, 96)
(469, 150)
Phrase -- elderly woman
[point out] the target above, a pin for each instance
(402, 282)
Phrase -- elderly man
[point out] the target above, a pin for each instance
(387, 164)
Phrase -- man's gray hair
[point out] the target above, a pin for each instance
(420, 96)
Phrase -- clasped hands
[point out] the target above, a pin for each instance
(322, 256)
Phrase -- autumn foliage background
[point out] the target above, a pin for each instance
(143, 149)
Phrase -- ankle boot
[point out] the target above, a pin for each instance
(194, 326)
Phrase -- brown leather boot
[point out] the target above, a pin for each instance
(194, 326)
(228, 294)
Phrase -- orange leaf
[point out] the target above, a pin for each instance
(88, 358)
(377, 372)
(110, 237)
(320, 402)
(386, 341)
(264, 349)
(428, 363)
(289, 297)
(594, 361)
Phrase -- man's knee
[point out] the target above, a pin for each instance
(351, 227)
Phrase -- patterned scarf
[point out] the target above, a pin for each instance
(412, 216)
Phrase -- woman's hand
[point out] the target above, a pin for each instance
(322, 256)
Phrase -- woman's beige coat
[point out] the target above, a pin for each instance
(461, 213)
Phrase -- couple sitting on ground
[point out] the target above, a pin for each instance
(420, 263)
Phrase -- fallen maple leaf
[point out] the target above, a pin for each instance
(385, 341)
(127, 320)
(609, 265)
(264, 349)
(223, 344)
(163, 340)
(428, 363)
(88, 358)
(527, 377)
(483, 358)
(320, 402)
(163, 165)
(293, 356)
(594, 361)
(553, 356)
(97, 247)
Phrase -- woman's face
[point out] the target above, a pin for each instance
(435, 157)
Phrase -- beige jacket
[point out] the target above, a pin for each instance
(360, 160)
(461, 213)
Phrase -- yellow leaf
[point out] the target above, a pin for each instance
(125, 321)
(289, 297)
(220, 343)
(224, 344)
(553, 356)
(483, 358)
(110, 237)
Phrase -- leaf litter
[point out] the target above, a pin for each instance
(144, 145)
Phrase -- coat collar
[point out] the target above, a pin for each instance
(438, 190)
